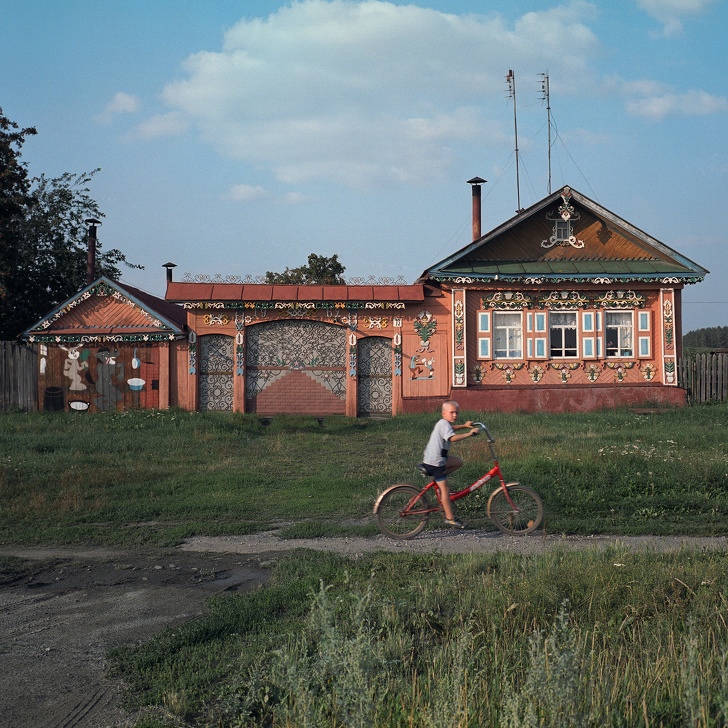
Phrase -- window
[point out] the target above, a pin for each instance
(618, 333)
(562, 333)
(507, 335)
(562, 230)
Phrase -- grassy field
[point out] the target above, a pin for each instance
(158, 477)
(558, 639)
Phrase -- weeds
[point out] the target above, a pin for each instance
(558, 639)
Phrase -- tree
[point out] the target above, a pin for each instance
(320, 270)
(43, 237)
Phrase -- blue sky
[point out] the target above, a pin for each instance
(238, 137)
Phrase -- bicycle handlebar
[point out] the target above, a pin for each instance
(484, 428)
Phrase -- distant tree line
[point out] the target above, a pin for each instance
(713, 337)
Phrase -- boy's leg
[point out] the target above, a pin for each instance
(452, 464)
(445, 499)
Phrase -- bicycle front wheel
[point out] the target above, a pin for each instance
(526, 516)
(401, 513)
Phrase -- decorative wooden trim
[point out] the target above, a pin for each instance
(459, 357)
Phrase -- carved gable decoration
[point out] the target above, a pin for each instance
(566, 238)
(109, 311)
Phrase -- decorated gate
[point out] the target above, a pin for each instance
(216, 372)
(296, 367)
(374, 391)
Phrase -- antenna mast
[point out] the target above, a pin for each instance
(546, 97)
(511, 81)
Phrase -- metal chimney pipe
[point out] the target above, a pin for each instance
(91, 256)
(169, 267)
(476, 183)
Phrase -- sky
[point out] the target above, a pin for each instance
(236, 137)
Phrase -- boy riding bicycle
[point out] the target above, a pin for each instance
(437, 461)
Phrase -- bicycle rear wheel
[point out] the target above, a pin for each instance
(525, 518)
(390, 509)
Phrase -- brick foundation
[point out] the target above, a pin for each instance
(552, 399)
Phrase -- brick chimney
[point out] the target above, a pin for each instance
(476, 184)
(91, 256)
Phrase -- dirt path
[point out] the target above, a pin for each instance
(59, 621)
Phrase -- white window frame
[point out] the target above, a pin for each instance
(562, 230)
(575, 348)
(511, 331)
(625, 335)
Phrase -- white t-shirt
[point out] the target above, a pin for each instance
(439, 441)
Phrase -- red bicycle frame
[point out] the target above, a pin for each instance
(479, 483)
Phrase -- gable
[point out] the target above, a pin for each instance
(601, 244)
(109, 311)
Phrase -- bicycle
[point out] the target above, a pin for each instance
(402, 510)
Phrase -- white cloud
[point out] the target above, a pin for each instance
(671, 13)
(370, 93)
(690, 103)
(246, 193)
(162, 125)
(295, 198)
(656, 101)
(122, 103)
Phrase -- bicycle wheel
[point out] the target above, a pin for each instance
(389, 509)
(528, 514)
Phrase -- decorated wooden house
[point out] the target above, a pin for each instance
(565, 307)
(109, 347)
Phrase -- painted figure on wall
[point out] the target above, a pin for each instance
(421, 368)
(74, 365)
(109, 373)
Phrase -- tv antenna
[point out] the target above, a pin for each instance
(546, 97)
(511, 81)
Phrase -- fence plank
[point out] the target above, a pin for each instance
(704, 377)
(18, 376)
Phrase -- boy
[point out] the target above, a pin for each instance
(437, 461)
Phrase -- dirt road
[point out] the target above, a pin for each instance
(59, 621)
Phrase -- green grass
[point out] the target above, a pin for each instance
(158, 477)
(557, 639)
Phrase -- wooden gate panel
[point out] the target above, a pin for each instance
(374, 391)
(296, 367)
(216, 372)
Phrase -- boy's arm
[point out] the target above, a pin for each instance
(474, 431)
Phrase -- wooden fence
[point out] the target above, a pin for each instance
(704, 377)
(18, 377)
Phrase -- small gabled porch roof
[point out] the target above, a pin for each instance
(106, 311)
(605, 249)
